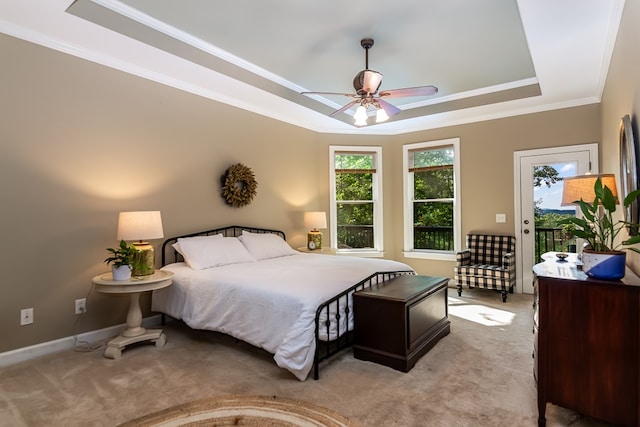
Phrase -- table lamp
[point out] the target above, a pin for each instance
(141, 226)
(315, 220)
(581, 188)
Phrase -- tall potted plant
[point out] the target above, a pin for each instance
(603, 257)
(122, 259)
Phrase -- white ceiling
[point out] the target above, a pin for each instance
(489, 58)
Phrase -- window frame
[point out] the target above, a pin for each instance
(377, 199)
(407, 184)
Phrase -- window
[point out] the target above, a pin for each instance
(431, 208)
(356, 192)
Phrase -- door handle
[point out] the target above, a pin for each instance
(525, 231)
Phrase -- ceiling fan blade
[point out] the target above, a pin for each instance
(409, 91)
(388, 108)
(345, 108)
(351, 95)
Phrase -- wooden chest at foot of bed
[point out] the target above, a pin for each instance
(397, 323)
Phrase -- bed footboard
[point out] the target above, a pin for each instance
(329, 317)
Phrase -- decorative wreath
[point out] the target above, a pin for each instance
(238, 185)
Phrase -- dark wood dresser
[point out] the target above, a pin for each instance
(395, 324)
(586, 343)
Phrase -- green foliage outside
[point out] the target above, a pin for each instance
(433, 199)
(433, 202)
(433, 195)
(544, 175)
(354, 193)
(551, 234)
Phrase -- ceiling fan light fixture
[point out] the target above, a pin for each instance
(360, 122)
(361, 113)
(361, 116)
(367, 82)
(381, 115)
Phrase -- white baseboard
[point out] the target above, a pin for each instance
(26, 353)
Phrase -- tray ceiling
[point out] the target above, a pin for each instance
(489, 58)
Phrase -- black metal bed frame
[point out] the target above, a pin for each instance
(343, 339)
(337, 341)
(170, 255)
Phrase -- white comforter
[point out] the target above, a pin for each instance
(270, 303)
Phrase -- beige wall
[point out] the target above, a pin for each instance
(81, 142)
(622, 96)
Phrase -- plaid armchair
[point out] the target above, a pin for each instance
(488, 261)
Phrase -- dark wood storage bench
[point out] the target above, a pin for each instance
(397, 323)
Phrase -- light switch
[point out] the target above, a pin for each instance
(501, 217)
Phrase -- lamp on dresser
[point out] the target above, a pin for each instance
(139, 227)
(581, 188)
(315, 221)
(603, 257)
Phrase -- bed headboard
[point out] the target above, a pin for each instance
(170, 255)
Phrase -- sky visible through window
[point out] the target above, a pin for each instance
(551, 197)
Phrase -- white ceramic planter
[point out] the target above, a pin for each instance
(121, 273)
(604, 265)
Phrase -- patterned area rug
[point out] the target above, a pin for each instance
(239, 410)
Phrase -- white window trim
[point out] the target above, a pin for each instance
(407, 185)
(378, 241)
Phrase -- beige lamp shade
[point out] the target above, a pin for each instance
(581, 188)
(141, 225)
(315, 220)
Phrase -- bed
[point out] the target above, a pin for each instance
(249, 283)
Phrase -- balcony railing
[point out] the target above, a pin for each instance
(552, 240)
(441, 238)
(355, 236)
(435, 238)
(361, 236)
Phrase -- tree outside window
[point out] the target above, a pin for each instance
(356, 197)
(433, 198)
(432, 218)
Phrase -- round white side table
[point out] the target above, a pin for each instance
(134, 287)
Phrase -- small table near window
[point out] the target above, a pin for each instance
(134, 287)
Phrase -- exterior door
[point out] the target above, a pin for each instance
(580, 159)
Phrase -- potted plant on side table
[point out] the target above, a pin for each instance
(603, 257)
(122, 259)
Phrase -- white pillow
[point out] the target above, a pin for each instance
(207, 253)
(266, 245)
(177, 247)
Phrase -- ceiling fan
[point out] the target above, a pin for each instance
(366, 84)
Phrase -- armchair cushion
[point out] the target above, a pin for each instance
(484, 270)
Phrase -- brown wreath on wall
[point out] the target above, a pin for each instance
(239, 185)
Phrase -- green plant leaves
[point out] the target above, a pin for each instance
(596, 226)
(123, 255)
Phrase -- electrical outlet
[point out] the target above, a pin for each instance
(26, 316)
(81, 306)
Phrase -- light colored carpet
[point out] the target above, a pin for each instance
(478, 375)
(243, 410)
